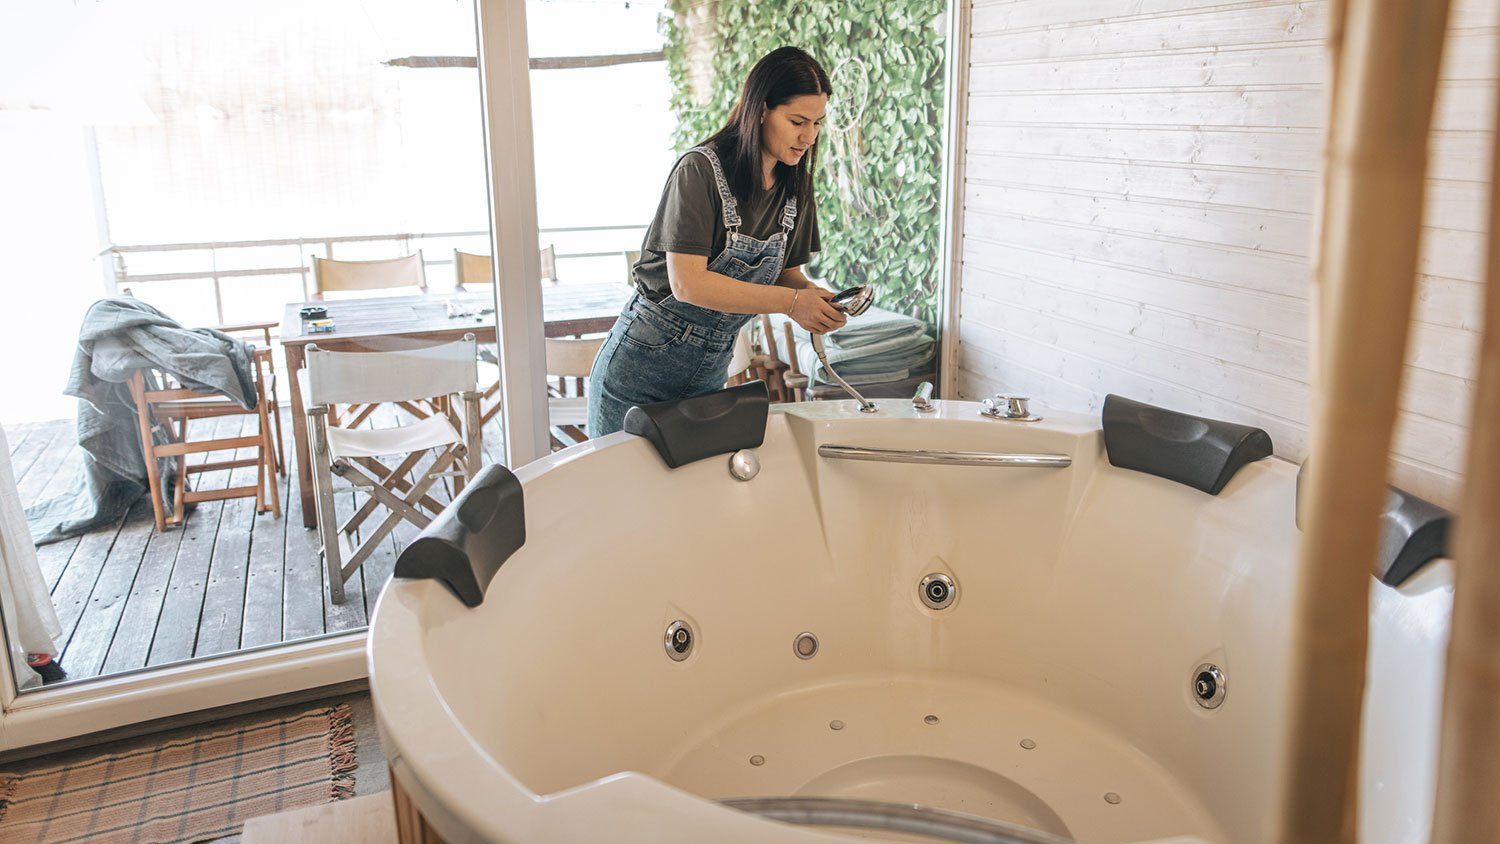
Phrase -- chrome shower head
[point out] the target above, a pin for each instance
(854, 300)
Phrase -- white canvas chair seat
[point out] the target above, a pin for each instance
(572, 411)
(432, 432)
(566, 358)
(454, 445)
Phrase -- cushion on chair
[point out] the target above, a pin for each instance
(433, 432)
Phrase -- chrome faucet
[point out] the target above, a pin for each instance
(922, 401)
(1011, 408)
(854, 301)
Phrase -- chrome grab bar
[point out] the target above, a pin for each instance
(939, 824)
(945, 458)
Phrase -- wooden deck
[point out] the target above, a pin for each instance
(227, 579)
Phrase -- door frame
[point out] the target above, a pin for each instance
(951, 205)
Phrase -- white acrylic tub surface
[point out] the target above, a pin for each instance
(1087, 596)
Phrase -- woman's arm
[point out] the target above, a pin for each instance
(694, 283)
(793, 277)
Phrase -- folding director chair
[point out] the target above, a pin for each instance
(443, 371)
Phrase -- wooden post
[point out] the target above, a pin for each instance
(411, 827)
(1469, 768)
(1317, 304)
(1373, 214)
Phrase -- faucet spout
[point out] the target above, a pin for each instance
(865, 405)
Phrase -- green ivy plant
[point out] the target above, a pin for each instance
(880, 156)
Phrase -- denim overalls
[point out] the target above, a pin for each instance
(670, 349)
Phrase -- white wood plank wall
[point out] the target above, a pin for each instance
(1139, 185)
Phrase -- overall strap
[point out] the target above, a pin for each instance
(789, 216)
(730, 207)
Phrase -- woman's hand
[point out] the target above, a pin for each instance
(810, 309)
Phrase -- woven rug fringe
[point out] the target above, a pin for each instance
(342, 758)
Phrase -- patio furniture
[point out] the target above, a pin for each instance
(398, 274)
(631, 256)
(362, 277)
(472, 270)
(474, 273)
(549, 264)
(164, 406)
(445, 370)
(273, 405)
(570, 358)
(795, 381)
(748, 364)
(382, 324)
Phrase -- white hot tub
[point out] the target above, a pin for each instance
(1056, 691)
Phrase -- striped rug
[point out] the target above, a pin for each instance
(190, 789)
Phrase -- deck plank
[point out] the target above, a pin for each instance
(350, 615)
(63, 461)
(224, 595)
(177, 627)
(266, 575)
(25, 447)
(137, 625)
(71, 596)
(54, 470)
(86, 649)
(302, 594)
(130, 597)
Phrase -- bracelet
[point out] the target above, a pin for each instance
(795, 293)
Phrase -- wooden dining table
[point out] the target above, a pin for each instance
(396, 322)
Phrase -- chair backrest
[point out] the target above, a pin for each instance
(471, 269)
(368, 377)
(572, 358)
(549, 264)
(632, 256)
(330, 276)
(740, 358)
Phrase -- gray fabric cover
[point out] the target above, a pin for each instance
(873, 348)
(118, 336)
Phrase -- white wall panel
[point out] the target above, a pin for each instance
(1138, 203)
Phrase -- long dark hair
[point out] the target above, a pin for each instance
(779, 76)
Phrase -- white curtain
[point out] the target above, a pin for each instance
(31, 624)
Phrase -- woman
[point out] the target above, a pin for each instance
(735, 224)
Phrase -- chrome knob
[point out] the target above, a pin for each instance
(922, 401)
(1009, 407)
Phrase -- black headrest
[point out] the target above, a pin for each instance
(468, 542)
(1202, 453)
(721, 422)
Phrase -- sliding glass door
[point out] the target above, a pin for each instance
(178, 167)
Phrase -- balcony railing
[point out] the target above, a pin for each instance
(269, 259)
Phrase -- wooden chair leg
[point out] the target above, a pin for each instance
(268, 462)
(327, 517)
(148, 449)
(280, 439)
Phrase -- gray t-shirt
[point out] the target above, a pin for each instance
(690, 220)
